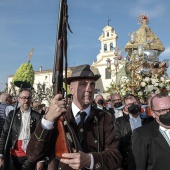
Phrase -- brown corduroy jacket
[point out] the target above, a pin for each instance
(99, 140)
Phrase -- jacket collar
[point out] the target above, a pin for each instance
(71, 119)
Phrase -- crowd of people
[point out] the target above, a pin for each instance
(112, 133)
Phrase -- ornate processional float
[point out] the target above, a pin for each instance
(142, 72)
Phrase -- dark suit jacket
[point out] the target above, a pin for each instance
(150, 150)
(35, 118)
(98, 135)
(123, 135)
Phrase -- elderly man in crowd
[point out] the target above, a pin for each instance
(94, 129)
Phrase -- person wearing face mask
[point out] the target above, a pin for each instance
(118, 105)
(99, 102)
(125, 125)
(151, 143)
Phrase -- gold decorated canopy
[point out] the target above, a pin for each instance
(145, 36)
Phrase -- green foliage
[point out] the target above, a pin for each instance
(25, 73)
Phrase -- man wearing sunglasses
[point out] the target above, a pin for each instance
(151, 143)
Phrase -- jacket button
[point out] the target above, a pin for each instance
(95, 141)
(60, 168)
(97, 166)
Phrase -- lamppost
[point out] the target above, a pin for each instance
(118, 56)
(134, 61)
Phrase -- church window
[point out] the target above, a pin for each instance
(107, 74)
(111, 46)
(107, 34)
(105, 47)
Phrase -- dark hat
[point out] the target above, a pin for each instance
(82, 71)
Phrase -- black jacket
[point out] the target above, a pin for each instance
(35, 117)
(123, 135)
(150, 150)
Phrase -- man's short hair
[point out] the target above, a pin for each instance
(98, 95)
(25, 89)
(159, 95)
(129, 96)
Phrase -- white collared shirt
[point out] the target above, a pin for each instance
(24, 133)
(167, 131)
(118, 113)
(76, 111)
(25, 125)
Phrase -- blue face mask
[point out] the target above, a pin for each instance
(120, 108)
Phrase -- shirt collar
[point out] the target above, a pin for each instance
(27, 111)
(76, 110)
(131, 117)
(163, 129)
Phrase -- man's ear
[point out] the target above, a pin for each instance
(152, 113)
(71, 89)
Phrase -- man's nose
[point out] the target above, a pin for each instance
(88, 87)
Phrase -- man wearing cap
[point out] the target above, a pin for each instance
(96, 136)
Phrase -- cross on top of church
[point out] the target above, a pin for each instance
(108, 21)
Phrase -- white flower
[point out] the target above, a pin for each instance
(161, 84)
(154, 81)
(122, 85)
(157, 91)
(168, 93)
(147, 79)
(150, 87)
(162, 79)
(123, 93)
(156, 84)
(123, 79)
(167, 81)
(168, 88)
(143, 84)
(140, 93)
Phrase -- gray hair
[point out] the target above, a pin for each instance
(3, 97)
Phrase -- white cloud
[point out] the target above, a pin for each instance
(166, 53)
(153, 10)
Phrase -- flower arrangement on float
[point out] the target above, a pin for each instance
(153, 85)
(147, 85)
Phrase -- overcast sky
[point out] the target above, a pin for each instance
(33, 24)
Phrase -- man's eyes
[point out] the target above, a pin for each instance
(84, 83)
